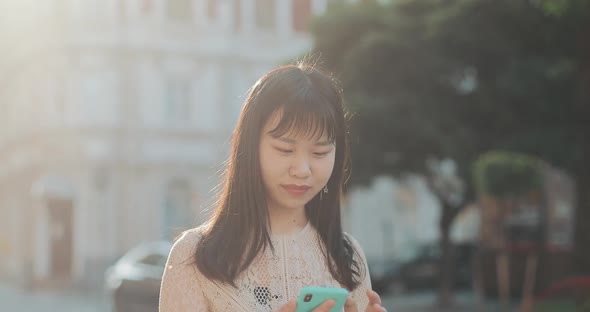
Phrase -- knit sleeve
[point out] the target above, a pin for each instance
(180, 290)
(359, 294)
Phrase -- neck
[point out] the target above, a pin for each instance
(287, 221)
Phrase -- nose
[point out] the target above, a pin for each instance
(300, 168)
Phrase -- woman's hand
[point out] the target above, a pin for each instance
(350, 306)
(373, 306)
(324, 307)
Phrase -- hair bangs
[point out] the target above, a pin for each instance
(307, 116)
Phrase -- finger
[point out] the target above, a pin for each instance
(325, 306)
(375, 307)
(373, 297)
(288, 307)
(350, 305)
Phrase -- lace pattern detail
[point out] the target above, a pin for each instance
(272, 279)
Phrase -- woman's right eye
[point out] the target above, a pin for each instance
(286, 151)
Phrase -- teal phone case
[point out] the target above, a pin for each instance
(311, 297)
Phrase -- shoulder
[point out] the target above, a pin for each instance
(359, 253)
(191, 236)
(184, 247)
(181, 288)
(353, 242)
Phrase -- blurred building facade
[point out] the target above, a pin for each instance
(393, 218)
(115, 120)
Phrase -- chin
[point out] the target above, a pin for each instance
(294, 205)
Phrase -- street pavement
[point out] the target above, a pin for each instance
(19, 300)
(426, 302)
(15, 299)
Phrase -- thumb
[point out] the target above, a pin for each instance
(288, 307)
(350, 305)
(373, 297)
(326, 306)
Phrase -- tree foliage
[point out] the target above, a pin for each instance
(458, 78)
(507, 175)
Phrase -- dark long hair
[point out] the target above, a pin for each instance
(309, 101)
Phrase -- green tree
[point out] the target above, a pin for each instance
(506, 175)
(453, 79)
(507, 182)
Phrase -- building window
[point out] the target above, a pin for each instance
(212, 9)
(237, 15)
(179, 10)
(301, 14)
(146, 7)
(96, 11)
(265, 14)
(177, 208)
(98, 91)
(178, 99)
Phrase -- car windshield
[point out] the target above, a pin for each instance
(154, 259)
(152, 254)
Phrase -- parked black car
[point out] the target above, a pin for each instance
(133, 282)
(423, 270)
(385, 275)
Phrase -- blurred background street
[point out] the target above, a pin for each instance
(72, 301)
(69, 300)
(469, 141)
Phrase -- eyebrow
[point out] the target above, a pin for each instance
(293, 141)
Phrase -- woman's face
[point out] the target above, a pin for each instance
(294, 168)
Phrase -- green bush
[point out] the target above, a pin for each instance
(507, 175)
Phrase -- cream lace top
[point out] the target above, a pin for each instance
(271, 280)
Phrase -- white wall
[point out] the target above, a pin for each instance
(391, 218)
(92, 95)
(80, 83)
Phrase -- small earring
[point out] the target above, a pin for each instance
(325, 190)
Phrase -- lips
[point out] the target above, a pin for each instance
(294, 189)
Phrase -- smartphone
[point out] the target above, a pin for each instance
(311, 297)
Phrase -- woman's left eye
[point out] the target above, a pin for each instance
(286, 151)
(321, 154)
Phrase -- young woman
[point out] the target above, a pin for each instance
(276, 227)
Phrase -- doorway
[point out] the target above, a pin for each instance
(60, 213)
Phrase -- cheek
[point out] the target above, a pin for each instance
(264, 164)
(324, 168)
(270, 164)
